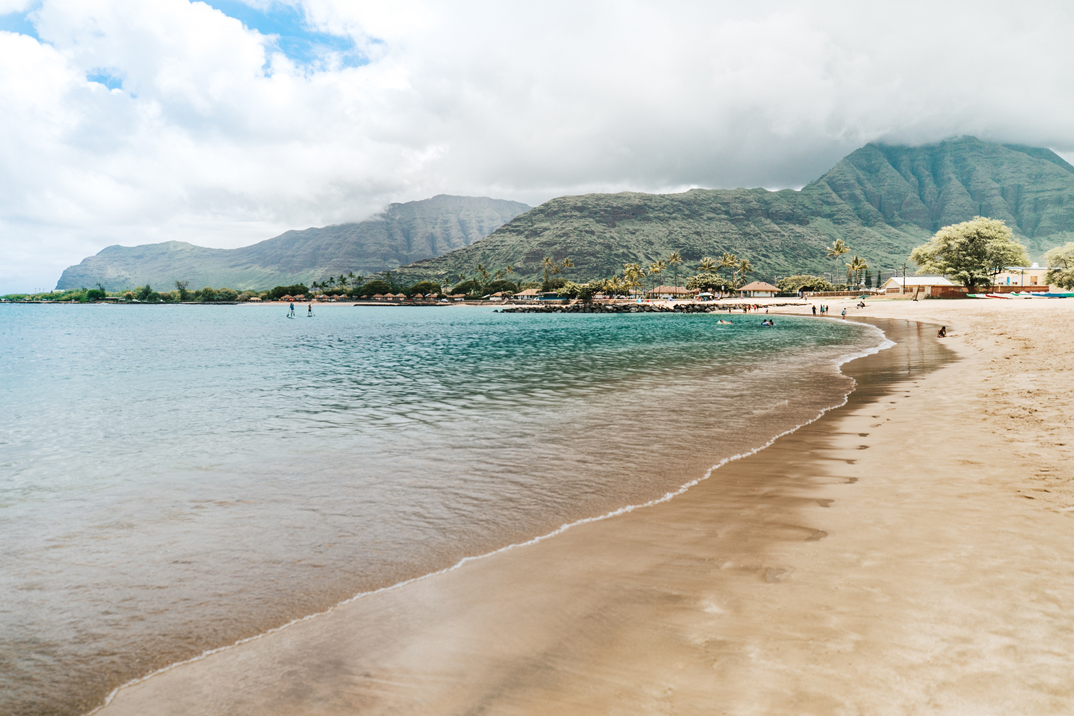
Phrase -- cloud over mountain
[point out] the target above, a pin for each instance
(131, 121)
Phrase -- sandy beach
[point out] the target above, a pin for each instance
(910, 552)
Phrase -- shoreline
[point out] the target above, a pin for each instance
(909, 553)
(885, 344)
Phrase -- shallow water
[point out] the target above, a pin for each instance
(173, 478)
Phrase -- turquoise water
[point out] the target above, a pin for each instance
(174, 478)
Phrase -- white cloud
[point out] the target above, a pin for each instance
(218, 138)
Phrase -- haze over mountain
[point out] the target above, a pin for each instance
(402, 234)
(882, 200)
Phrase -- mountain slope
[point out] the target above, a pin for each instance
(882, 200)
(404, 233)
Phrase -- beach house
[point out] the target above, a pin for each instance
(530, 294)
(927, 286)
(758, 289)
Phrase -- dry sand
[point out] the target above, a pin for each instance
(909, 553)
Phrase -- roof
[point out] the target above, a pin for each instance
(759, 286)
(670, 289)
(920, 281)
(528, 292)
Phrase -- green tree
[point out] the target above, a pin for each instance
(727, 261)
(207, 294)
(656, 267)
(708, 282)
(501, 285)
(743, 268)
(674, 261)
(837, 249)
(972, 252)
(373, 288)
(855, 267)
(1061, 266)
(552, 267)
(426, 288)
(298, 289)
(633, 276)
(792, 284)
(181, 288)
(708, 265)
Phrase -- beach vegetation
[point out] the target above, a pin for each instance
(425, 288)
(181, 287)
(372, 288)
(501, 285)
(674, 261)
(469, 287)
(553, 284)
(583, 291)
(971, 252)
(710, 283)
(803, 282)
(279, 292)
(1061, 266)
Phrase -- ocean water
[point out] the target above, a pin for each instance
(176, 478)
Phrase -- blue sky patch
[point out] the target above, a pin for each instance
(293, 36)
(18, 22)
(105, 78)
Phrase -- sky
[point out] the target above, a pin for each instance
(226, 122)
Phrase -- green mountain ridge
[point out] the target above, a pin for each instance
(881, 199)
(402, 234)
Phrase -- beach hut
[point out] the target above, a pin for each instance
(285, 299)
(758, 289)
(530, 294)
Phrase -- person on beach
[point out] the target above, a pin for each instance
(844, 313)
(942, 333)
(814, 309)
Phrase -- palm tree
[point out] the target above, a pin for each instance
(674, 260)
(551, 267)
(483, 274)
(741, 269)
(837, 249)
(856, 266)
(707, 265)
(657, 266)
(633, 276)
(729, 261)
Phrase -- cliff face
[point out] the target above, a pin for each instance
(404, 233)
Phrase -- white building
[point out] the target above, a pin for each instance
(916, 284)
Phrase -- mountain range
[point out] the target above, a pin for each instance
(882, 200)
(402, 234)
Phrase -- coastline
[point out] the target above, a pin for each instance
(762, 589)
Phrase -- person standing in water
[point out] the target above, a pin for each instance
(309, 313)
(292, 312)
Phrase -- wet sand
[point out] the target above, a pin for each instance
(909, 552)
